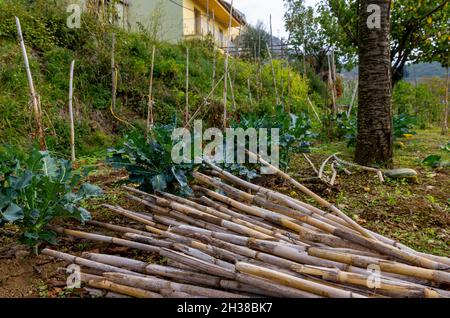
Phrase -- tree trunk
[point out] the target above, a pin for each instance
(375, 138)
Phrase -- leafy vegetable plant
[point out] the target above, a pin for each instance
(149, 161)
(295, 131)
(35, 189)
(403, 125)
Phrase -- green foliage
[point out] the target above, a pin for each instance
(432, 160)
(423, 101)
(315, 33)
(36, 189)
(419, 30)
(346, 129)
(254, 40)
(294, 131)
(52, 46)
(446, 147)
(404, 125)
(149, 161)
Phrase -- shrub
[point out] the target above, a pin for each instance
(149, 161)
(36, 189)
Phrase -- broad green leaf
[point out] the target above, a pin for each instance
(13, 213)
(431, 160)
(159, 182)
(89, 190)
(180, 177)
(49, 166)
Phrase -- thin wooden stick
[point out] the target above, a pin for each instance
(105, 239)
(249, 92)
(225, 82)
(123, 289)
(296, 282)
(273, 75)
(150, 116)
(34, 97)
(85, 262)
(156, 284)
(72, 125)
(186, 112)
(350, 108)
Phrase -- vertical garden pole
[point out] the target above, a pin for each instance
(186, 114)
(72, 124)
(34, 96)
(150, 118)
(273, 75)
(113, 73)
(225, 82)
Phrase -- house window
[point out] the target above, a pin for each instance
(198, 22)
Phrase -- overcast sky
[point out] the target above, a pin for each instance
(256, 10)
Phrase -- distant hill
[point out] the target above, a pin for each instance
(422, 70)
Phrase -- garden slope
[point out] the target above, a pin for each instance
(52, 46)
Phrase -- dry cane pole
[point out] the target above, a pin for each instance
(34, 96)
(318, 199)
(186, 112)
(72, 125)
(150, 119)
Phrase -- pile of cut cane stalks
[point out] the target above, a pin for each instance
(249, 241)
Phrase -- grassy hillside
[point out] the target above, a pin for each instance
(52, 46)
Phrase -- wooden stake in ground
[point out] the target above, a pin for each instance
(331, 83)
(446, 110)
(273, 75)
(186, 112)
(250, 92)
(225, 82)
(114, 75)
(355, 92)
(34, 96)
(150, 119)
(72, 125)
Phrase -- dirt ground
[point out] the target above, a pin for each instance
(416, 214)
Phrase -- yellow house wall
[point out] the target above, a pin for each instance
(214, 26)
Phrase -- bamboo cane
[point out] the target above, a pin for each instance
(117, 228)
(85, 262)
(33, 94)
(213, 219)
(386, 266)
(186, 112)
(235, 217)
(123, 289)
(383, 286)
(72, 125)
(127, 214)
(150, 118)
(105, 239)
(190, 247)
(156, 284)
(169, 293)
(295, 204)
(177, 215)
(273, 75)
(199, 264)
(365, 242)
(296, 282)
(278, 232)
(311, 194)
